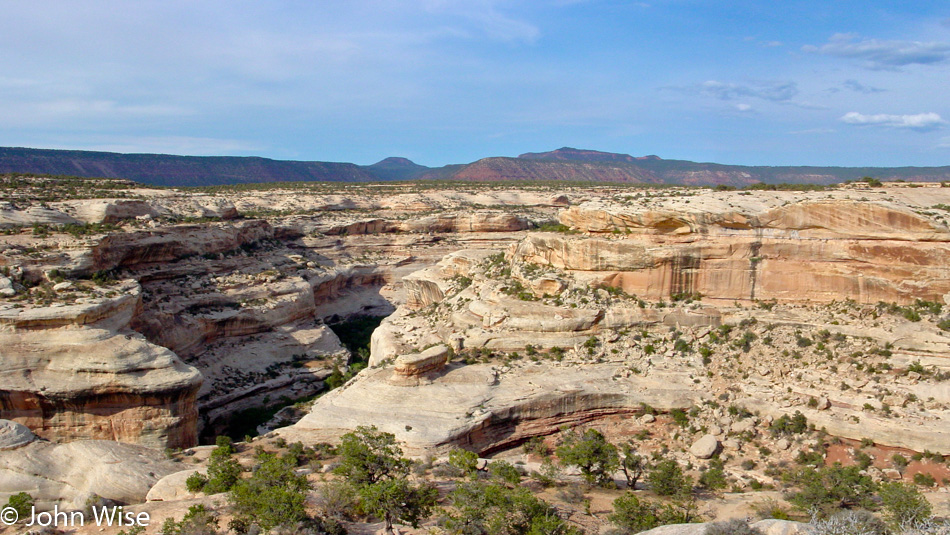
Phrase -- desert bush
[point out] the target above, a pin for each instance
(666, 478)
(197, 521)
(505, 471)
(487, 509)
(591, 453)
(273, 496)
(337, 500)
(903, 503)
(466, 462)
(22, 503)
(824, 490)
(736, 526)
(858, 522)
(633, 515)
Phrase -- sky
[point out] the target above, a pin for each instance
(851, 83)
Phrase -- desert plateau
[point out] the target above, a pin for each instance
(498, 358)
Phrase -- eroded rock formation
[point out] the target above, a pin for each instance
(79, 372)
(819, 250)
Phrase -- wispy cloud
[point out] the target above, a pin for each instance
(772, 91)
(922, 122)
(488, 19)
(814, 131)
(858, 87)
(878, 54)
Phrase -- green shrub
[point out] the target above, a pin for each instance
(591, 453)
(680, 417)
(197, 521)
(736, 526)
(903, 504)
(633, 515)
(22, 503)
(223, 470)
(713, 479)
(465, 461)
(273, 496)
(790, 425)
(488, 508)
(666, 478)
(368, 455)
(196, 482)
(505, 471)
(827, 489)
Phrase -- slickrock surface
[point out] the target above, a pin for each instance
(69, 474)
(484, 407)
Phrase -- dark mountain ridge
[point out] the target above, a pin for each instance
(564, 164)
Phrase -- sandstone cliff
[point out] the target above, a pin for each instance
(79, 372)
(820, 250)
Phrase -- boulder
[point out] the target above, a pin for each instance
(173, 487)
(415, 364)
(13, 435)
(6, 287)
(773, 526)
(705, 447)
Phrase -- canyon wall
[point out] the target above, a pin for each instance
(79, 372)
(805, 251)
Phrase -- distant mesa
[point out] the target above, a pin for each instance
(565, 164)
(396, 161)
(396, 168)
(582, 155)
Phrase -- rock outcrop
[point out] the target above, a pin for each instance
(79, 372)
(68, 475)
(13, 435)
(821, 250)
(414, 366)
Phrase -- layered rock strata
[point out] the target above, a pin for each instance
(815, 250)
(79, 372)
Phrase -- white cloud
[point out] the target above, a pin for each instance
(879, 54)
(921, 122)
(744, 107)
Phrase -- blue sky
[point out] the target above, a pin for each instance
(441, 81)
